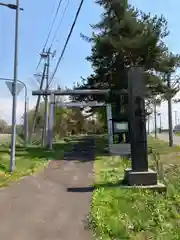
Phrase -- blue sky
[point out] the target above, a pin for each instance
(34, 25)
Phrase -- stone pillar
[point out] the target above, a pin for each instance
(139, 174)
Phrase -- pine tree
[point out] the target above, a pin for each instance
(126, 37)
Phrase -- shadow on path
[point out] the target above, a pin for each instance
(96, 186)
(83, 151)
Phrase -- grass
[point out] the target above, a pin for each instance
(29, 160)
(137, 214)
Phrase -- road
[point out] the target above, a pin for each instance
(165, 137)
(4, 136)
(54, 204)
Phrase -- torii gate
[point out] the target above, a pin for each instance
(104, 92)
(77, 104)
(139, 174)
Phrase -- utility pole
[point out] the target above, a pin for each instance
(170, 110)
(160, 122)
(46, 112)
(176, 118)
(155, 118)
(38, 102)
(26, 122)
(148, 124)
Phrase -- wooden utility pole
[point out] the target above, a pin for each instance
(38, 103)
(46, 114)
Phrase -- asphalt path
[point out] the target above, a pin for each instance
(53, 205)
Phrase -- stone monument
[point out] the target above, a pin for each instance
(139, 174)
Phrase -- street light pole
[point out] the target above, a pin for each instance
(26, 124)
(14, 85)
(13, 133)
(12, 6)
(170, 110)
(176, 118)
(160, 123)
(155, 118)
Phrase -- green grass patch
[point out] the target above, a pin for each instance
(29, 160)
(136, 214)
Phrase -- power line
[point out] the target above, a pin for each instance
(67, 41)
(53, 22)
(50, 30)
(60, 22)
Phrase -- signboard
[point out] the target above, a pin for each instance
(120, 127)
(80, 104)
(19, 87)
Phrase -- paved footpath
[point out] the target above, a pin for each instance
(165, 137)
(52, 205)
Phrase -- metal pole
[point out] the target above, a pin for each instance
(148, 124)
(176, 119)
(13, 134)
(155, 119)
(160, 122)
(26, 130)
(170, 111)
(109, 124)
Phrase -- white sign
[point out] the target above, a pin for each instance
(81, 104)
(19, 87)
(120, 127)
